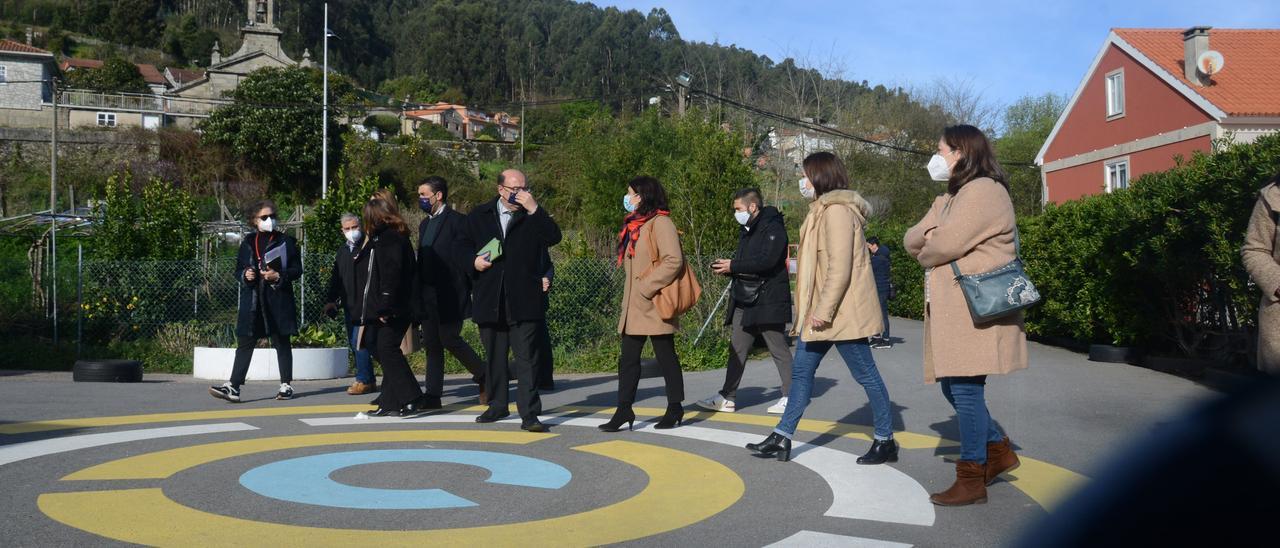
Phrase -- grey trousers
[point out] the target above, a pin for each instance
(740, 339)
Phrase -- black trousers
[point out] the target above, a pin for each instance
(438, 337)
(399, 385)
(664, 349)
(521, 340)
(244, 354)
(546, 357)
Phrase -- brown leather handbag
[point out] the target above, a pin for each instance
(681, 295)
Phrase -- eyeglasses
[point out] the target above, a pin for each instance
(516, 188)
(267, 216)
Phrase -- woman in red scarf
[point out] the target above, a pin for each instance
(647, 223)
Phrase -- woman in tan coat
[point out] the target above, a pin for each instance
(647, 223)
(973, 226)
(1261, 254)
(836, 305)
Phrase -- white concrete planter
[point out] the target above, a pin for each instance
(308, 364)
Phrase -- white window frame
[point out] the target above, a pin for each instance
(107, 119)
(1116, 165)
(1114, 99)
(4, 75)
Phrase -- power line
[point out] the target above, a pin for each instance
(819, 128)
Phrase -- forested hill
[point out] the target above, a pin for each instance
(481, 51)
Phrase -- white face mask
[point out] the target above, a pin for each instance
(806, 189)
(352, 235)
(267, 225)
(742, 217)
(938, 168)
(627, 204)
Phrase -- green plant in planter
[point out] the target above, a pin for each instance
(318, 335)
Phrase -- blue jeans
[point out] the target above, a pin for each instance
(967, 396)
(857, 355)
(364, 364)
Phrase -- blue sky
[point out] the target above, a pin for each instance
(1007, 48)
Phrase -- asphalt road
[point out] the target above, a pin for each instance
(105, 480)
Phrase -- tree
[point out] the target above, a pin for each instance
(1027, 124)
(489, 133)
(130, 22)
(415, 88)
(275, 124)
(186, 40)
(700, 164)
(434, 132)
(116, 75)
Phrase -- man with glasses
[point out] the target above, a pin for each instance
(502, 251)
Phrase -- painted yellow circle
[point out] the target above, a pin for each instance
(683, 489)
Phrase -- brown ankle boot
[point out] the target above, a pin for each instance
(1000, 459)
(969, 487)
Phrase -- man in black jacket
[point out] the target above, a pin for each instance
(444, 292)
(761, 297)
(507, 291)
(884, 287)
(342, 287)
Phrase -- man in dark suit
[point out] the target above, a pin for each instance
(507, 292)
(444, 292)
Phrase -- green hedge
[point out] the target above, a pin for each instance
(1157, 265)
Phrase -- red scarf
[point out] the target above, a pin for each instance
(631, 232)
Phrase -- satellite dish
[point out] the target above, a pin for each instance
(1209, 62)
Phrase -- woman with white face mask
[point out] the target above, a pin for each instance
(973, 226)
(267, 265)
(836, 306)
(649, 252)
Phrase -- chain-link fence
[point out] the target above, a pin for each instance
(177, 305)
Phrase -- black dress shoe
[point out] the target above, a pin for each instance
(534, 426)
(774, 445)
(380, 412)
(882, 451)
(427, 401)
(487, 417)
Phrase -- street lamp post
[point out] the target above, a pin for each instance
(324, 144)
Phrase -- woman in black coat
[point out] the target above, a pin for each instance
(267, 308)
(384, 274)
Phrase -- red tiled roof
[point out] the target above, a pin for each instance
(151, 74)
(71, 62)
(19, 47)
(184, 76)
(1249, 83)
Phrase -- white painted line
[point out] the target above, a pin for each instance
(814, 539)
(40, 448)
(875, 493)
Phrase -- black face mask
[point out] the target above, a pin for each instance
(425, 204)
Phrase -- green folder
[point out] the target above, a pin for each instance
(493, 248)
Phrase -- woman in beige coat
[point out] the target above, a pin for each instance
(1261, 254)
(973, 226)
(647, 223)
(836, 305)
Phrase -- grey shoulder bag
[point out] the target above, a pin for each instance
(1000, 292)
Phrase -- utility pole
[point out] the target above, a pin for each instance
(53, 208)
(324, 144)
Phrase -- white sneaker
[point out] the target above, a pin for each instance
(286, 392)
(717, 403)
(778, 408)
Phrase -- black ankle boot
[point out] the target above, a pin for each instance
(623, 414)
(774, 445)
(672, 418)
(882, 451)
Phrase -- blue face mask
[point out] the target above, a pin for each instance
(425, 204)
(627, 205)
